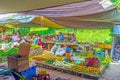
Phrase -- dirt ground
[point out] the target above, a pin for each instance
(111, 73)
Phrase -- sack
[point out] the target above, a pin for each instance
(54, 48)
(60, 51)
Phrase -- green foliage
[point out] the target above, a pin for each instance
(116, 2)
(82, 35)
(91, 36)
(42, 31)
(24, 31)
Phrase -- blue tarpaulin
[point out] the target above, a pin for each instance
(116, 29)
(17, 18)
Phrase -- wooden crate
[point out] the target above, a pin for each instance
(24, 49)
(18, 63)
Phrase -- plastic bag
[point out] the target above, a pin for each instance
(54, 48)
(60, 51)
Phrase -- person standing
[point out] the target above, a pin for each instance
(15, 39)
(35, 39)
(3, 35)
(73, 38)
(61, 37)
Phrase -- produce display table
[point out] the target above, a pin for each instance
(50, 44)
(90, 76)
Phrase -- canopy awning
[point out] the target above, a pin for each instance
(99, 20)
(88, 14)
(75, 9)
(12, 6)
(26, 19)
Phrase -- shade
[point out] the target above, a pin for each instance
(88, 15)
(11, 6)
(46, 22)
(75, 9)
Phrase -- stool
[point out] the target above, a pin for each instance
(42, 76)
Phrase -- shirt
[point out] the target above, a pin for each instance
(35, 41)
(15, 38)
(61, 37)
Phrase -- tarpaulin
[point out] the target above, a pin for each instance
(12, 6)
(88, 14)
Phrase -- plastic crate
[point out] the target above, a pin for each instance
(29, 73)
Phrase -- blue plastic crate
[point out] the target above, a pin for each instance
(101, 54)
(29, 73)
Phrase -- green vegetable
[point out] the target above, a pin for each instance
(49, 61)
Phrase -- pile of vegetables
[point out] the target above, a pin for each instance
(50, 61)
(35, 46)
(63, 64)
(5, 53)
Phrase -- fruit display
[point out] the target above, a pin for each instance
(39, 59)
(43, 72)
(59, 58)
(85, 69)
(58, 62)
(107, 60)
(93, 62)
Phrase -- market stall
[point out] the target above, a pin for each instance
(78, 58)
(75, 59)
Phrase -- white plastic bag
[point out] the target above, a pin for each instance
(54, 48)
(60, 51)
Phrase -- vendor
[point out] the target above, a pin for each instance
(69, 38)
(117, 52)
(15, 37)
(73, 38)
(3, 35)
(39, 42)
(61, 37)
(36, 40)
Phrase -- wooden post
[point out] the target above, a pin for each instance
(113, 44)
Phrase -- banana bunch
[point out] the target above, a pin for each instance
(107, 59)
(84, 69)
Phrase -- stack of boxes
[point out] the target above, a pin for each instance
(20, 61)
